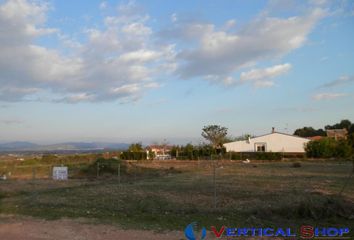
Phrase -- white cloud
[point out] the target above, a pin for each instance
(328, 96)
(261, 77)
(103, 5)
(121, 60)
(75, 98)
(230, 24)
(258, 77)
(174, 17)
(117, 62)
(221, 53)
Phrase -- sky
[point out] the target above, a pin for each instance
(152, 71)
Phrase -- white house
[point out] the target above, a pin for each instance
(273, 142)
(161, 152)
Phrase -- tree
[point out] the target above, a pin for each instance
(328, 148)
(135, 147)
(343, 124)
(215, 134)
(309, 132)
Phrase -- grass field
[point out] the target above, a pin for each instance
(162, 198)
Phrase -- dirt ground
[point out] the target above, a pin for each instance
(27, 228)
(24, 228)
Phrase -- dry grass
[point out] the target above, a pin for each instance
(261, 194)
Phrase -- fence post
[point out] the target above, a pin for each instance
(33, 173)
(214, 181)
(118, 174)
(135, 169)
(98, 169)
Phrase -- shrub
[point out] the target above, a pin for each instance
(328, 148)
(268, 156)
(134, 155)
(253, 155)
(109, 166)
(296, 165)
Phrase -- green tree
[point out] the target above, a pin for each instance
(343, 124)
(327, 148)
(215, 134)
(135, 147)
(351, 139)
(309, 132)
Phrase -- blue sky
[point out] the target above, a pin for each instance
(153, 70)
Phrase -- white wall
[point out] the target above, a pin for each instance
(275, 142)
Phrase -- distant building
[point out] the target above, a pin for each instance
(272, 142)
(315, 138)
(337, 134)
(161, 152)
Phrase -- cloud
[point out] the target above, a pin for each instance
(328, 96)
(103, 5)
(118, 61)
(174, 17)
(258, 77)
(121, 59)
(343, 80)
(221, 53)
(262, 77)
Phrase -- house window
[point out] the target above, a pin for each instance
(260, 147)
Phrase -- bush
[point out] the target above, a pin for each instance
(296, 165)
(328, 148)
(109, 166)
(253, 155)
(268, 156)
(134, 155)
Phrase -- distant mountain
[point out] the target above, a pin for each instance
(68, 146)
(17, 146)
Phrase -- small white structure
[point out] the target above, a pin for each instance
(60, 173)
(273, 142)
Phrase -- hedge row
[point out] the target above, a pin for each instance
(133, 155)
(328, 148)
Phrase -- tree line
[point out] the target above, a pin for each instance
(329, 147)
(217, 135)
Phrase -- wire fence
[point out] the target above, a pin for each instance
(216, 174)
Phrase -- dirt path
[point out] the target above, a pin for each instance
(20, 228)
(26, 228)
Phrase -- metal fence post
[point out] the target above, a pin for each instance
(98, 169)
(118, 174)
(214, 180)
(33, 173)
(135, 169)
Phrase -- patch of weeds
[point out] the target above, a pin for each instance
(296, 165)
(313, 207)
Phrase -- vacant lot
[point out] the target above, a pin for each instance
(158, 197)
